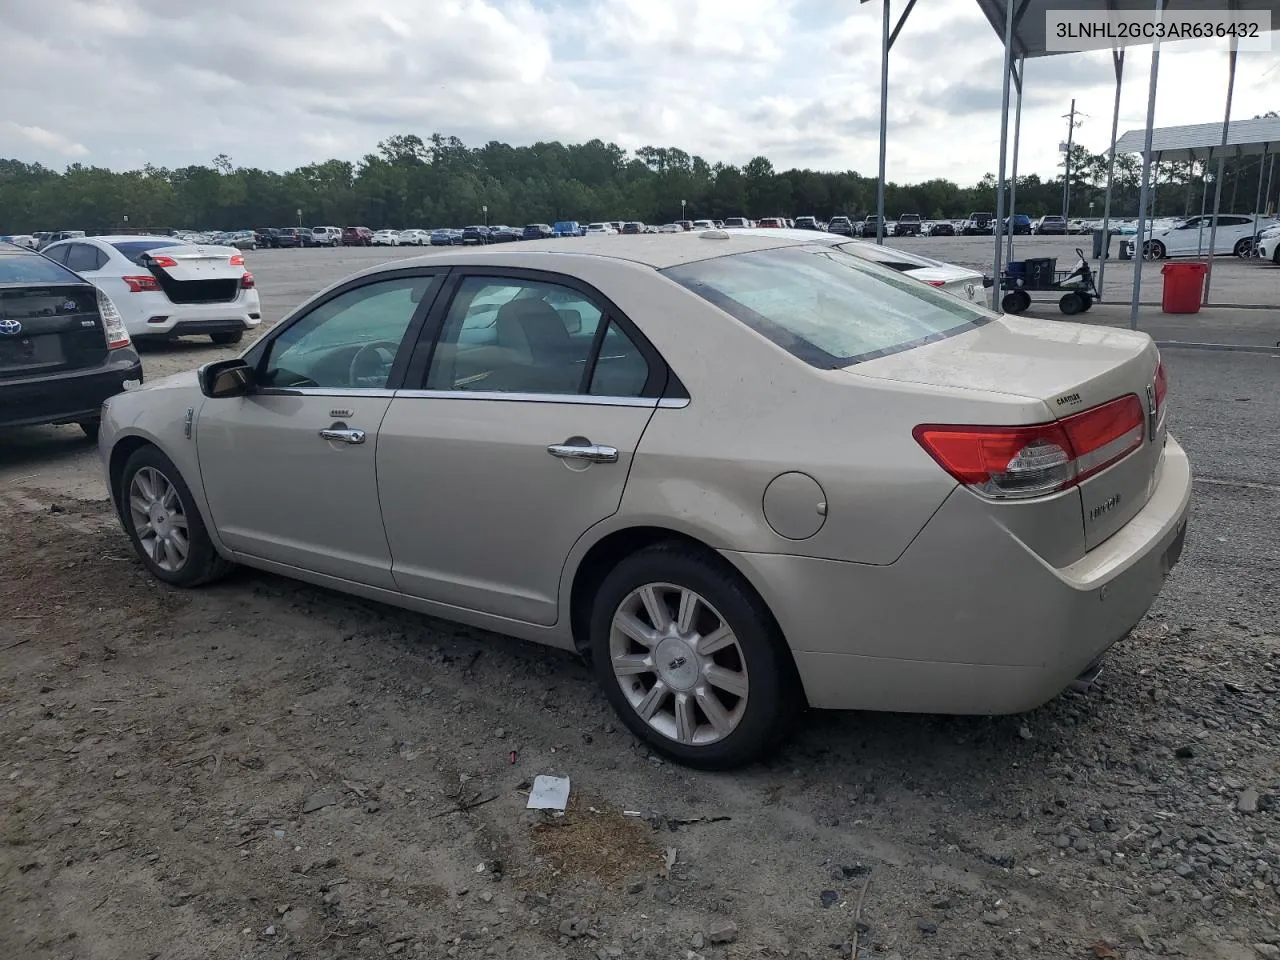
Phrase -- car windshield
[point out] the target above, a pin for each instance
(825, 306)
(26, 268)
(134, 249)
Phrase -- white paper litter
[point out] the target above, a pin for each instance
(548, 793)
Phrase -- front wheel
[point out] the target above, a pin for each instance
(1153, 250)
(226, 339)
(691, 659)
(1016, 301)
(1245, 249)
(91, 428)
(162, 520)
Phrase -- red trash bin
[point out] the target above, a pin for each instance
(1183, 287)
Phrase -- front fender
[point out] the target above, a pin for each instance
(164, 414)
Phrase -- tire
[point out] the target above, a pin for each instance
(1153, 250)
(755, 659)
(1244, 249)
(1015, 301)
(1088, 302)
(1072, 303)
(226, 339)
(91, 428)
(201, 563)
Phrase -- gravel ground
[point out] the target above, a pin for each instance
(265, 769)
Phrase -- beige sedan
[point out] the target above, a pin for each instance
(744, 474)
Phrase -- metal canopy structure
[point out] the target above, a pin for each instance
(1203, 141)
(1021, 26)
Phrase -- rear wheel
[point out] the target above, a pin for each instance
(691, 659)
(91, 427)
(161, 518)
(225, 339)
(1072, 303)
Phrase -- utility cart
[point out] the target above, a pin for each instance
(1040, 280)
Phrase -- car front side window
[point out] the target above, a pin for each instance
(349, 342)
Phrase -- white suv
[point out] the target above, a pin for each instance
(1269, 245)
(1190, 237)
(326, 236)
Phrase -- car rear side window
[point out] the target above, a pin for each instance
(84, 258)
(515, 336)
(824, 306)
(28, 268)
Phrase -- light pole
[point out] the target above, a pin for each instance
(682, 216)
(299, 214)
(485, 208)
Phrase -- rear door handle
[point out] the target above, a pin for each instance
(591, 452)
(342, 435)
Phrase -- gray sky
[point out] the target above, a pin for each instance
(279, 83)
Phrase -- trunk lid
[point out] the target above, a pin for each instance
(1069, 368)
(49, 328)
(196, 273)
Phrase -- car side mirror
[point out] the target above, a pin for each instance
(226, 378)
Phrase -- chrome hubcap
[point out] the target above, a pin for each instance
(159, 519)
(679, 664)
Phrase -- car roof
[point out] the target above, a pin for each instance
(126, 238)
(658, 251)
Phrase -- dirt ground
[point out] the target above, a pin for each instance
(262, 769)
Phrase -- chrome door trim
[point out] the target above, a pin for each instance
(590, 452)
(675, 403)
(323, 392)
(342, 435)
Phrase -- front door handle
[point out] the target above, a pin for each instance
(338, 435)
(590, 452)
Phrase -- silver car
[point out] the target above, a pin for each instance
(745, 474)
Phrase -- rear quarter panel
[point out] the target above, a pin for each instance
(757, 412)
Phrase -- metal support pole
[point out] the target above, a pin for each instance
(1117, 58)
(1017, 129)
(1004, 148)
(1066, 163)
(1270, 172)
(1257, 201)
(1222, 161)
(1140, 237)
(884, 122)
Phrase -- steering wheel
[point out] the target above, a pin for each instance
(382, 352)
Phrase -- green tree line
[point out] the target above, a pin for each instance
(440, 181)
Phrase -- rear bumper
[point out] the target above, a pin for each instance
(969, 620)
(67, 397)
(154, 316)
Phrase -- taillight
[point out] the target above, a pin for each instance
(112, 323)
(142, 284)
(237, 260)
(163, 261)
(936, 283)
(247, 282)
(1017, 462)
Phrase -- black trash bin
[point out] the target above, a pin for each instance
(1101, 245)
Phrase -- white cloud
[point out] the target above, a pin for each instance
(289, 82)
(40, 138)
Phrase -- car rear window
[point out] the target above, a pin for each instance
(134, 249)
(825, 306)
(29, 268)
